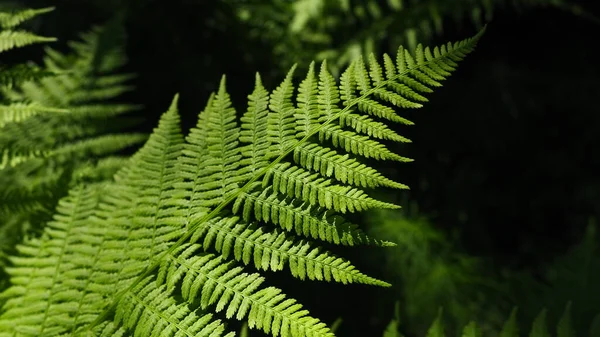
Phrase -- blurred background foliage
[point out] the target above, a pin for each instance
(506, 176)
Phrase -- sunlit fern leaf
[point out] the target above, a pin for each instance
(36, 269)
(10, 39)
(299, 217)
(177, 198)
(150, 311)
(217, 282)
(95, 253)
(254, 130)
(11, 20)
(273, 249)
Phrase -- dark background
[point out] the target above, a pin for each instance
(505, 153)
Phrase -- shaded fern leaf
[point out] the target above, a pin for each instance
(13, 76)
(342, 31)
(510, 328)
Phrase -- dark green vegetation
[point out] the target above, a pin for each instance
(210, 218)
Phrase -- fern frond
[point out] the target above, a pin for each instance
(95, 264)
(18, 112)
(17, 39)
(81, 83)
(11, 20)
(273, 249)
(254, 130)
(137, 261)
(294, 215)
(282, 131)
(25, 311)
(13, 76)
(150, 311)
(221, 284)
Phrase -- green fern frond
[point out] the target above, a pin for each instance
(82, 83)
(11, 20)
(151, 312)
(24, 311)
(52, 138)
(218, 283)
(294, 215)
(207, 154)
(13, 76)
(10, 39)
(137, 261)
(272, 250)
(18, 112)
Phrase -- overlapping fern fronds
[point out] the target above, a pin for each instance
(342, 30)
(11, 75)
(189, 223)
(63, 118)
(55, 125)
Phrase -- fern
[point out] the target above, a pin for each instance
(56, 112)
(11, 38)
(168, 244)
(343, 30)
(50, 135)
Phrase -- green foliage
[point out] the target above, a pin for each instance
(539, 327)
(10, 38)
(12, 75)
(343, 30)
(428, 272)
(162, 249)
(572, 277)
(54, 127)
